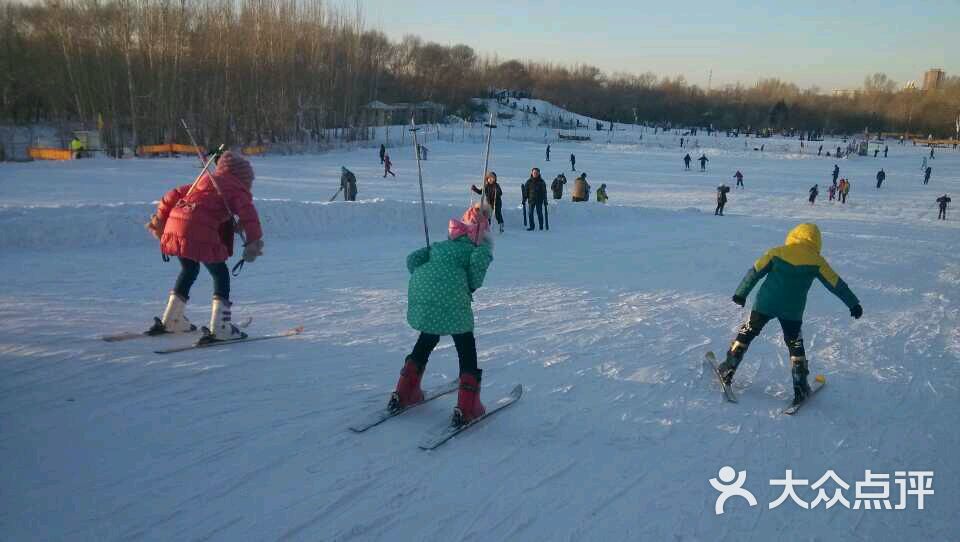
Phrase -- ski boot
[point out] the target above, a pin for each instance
(221, 328)
(468, 406)
(729, 365)
(173, 321)
(801, 389)
(501, 228)
(408, 390)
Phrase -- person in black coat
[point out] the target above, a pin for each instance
(703, 162)
(813, 194)
(836, 171)
(548, 153)
(573, 162)
(494, 196)
(943, 201)
(348, 184)
(557, 186)
(721, 199)
(926, 175)
(881, 175)
(686, 161)
(536, 191)
(383, 152)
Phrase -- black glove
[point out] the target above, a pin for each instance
(739, 300)
(856, 312)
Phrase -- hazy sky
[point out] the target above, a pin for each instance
(829, 44)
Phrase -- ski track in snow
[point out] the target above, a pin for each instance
(604, 320)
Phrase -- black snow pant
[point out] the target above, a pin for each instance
(498, 211)
(189, 269)
(942, 215)
(720, 206)
(791, 332)
(740, 182)
(538, 207)
(466, 350)
(843, 197)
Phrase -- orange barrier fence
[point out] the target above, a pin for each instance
(254, 151)
(46, 153)
(169, 148)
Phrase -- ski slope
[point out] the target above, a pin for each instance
(604, 320)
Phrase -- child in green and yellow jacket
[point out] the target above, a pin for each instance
(789, 270)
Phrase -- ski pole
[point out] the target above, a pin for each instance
(486, 159)
(423, 203)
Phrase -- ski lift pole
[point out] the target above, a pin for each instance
(423, 203)
(486, 159)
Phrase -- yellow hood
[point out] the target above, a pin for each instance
(805, 234)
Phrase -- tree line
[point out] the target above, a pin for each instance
(244, 71)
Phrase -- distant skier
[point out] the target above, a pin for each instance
(789, 270)
(536, 190)
(832, 191)
(387, 164)
(193, 223)
(926, 175)
(739, 177)
(602, 194)
(813, 194)
(686, 161)
(885, 150)
(383, 152)
(573, 162)
(581, 189)
(881, 175)
(820, 150)
(557, 186)
(876, 152)
(493, 195)
(681, 142)
(836, 172)
(443, 278)
(931, 152)
(703, 162)
(722, 191)
(548, 153)
(943, 201)
(348, 184)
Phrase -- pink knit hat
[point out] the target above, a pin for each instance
(235, 166)
(473, 224)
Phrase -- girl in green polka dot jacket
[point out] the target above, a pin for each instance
(443, 278)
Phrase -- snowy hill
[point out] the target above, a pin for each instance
(604, 319)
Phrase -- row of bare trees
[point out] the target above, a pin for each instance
(247, 70)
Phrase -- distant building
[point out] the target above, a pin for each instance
(933, 78)
(844, 93)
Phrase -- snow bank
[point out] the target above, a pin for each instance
(116, 225)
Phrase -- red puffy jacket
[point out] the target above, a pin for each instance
(198, 226)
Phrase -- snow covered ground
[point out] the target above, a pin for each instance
(604, 319)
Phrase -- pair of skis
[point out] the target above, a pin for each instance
(819, 382)
(131, 335)
(437, 437)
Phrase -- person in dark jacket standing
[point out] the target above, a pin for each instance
(493, 195)
(881, 175)
(885, 150)
(721, 199)
(836, 172)
(813, 194)
(789, 270)
(686, 161)
(536, 190)
(548, 153)
(348, 183)
(573, 162)
(557, 186)
(383, 152)
(943, 201)
(739, 177)
(926, 175)
(703, 162)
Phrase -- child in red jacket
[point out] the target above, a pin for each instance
(194, 223)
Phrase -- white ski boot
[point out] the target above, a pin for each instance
(221, 327)
(173, 321)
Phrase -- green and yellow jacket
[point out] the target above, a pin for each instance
(790, 270)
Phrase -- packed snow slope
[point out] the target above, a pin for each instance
(604, 320)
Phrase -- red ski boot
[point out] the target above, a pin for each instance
(468, 406)
(408, 390)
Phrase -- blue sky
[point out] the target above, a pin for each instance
(828, 44)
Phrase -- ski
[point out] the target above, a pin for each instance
(436, 438)
(385, 414)
(288, 333)
(130, 335)
(818, 383)
(711, 358)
